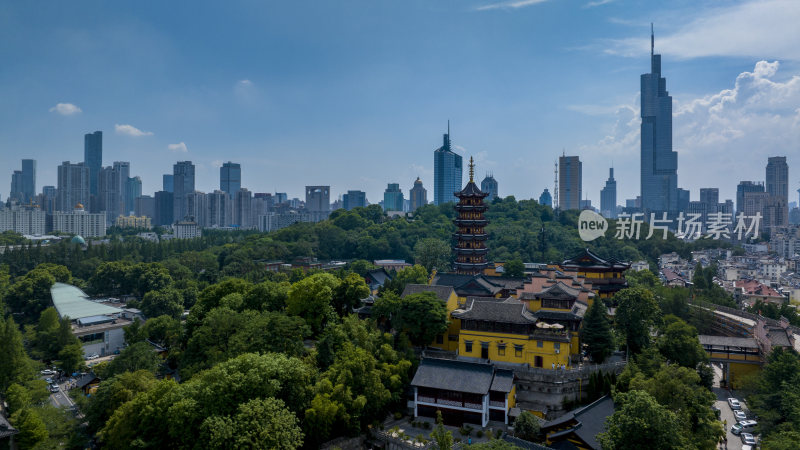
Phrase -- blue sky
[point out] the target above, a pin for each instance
(356, 94)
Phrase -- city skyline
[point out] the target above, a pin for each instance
(516, 135)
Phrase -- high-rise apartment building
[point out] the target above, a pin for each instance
(196, 208)
(230, 178)
(777, 185)
(48, 199)
(354, 199)
(93, 158)
(220, 209)
(447, 172)
(243, 209)
(659, 163)
(73, 186)
(393, 198)
(608, 197)
(183, 185)
(489, 186)
(80, 222)
(709, 196)
(570, 182)
(23, 220)
(418, 195)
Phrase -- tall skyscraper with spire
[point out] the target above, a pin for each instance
(447, 172)
(608, 197)
(659, 171)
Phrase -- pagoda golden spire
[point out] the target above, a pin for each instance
(471, 169)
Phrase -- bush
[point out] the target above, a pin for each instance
(479, 433)
(465, 430)
(398, 415)
(426, 425)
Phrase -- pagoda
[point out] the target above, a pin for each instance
(470, 250)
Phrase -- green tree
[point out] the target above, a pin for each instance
(257, 424)
(30, 294)
(310, 298)
(70, 358)
(134, 332)
(15, 365)
(433, 254)
(640, 422)
(526, 426)
(596, 332)
(17, 398)
(514, 268)
(113, 393)
(637, 314)
(781, 440)
(139, 356)
(267, 296)
(163, 330)
(415, 274)
(349, 293)
(32, 429)
(361, 267)
(422, 316)
(440, 435)
(776, 397)
(165, 302)
(679, 343)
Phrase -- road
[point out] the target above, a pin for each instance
(726, 413)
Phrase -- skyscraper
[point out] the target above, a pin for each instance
(167, 182)
(164, 210)
(570, 182)
(183, 185)
(608, 197)
(354, 199)
(93, 158)
(777, 186)
(546, 199)
(28, 179)
(16, 187)
(418, 195)
(393, 198)
(489, 186)
(659, 164)
(230, 178)
(243, 208)
(709, 196)
(447, 172)
(133, 189)
(318, 202)
(73, 186)
(743, 188)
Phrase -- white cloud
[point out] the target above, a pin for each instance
(65, 109)
(130, 130)
(597, 3)
(760, 28)
(180, 147)
(512, 4)
(244, 83)
(720, 138)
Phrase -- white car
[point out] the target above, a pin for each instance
(48, 372)
(93, 356)
(734, 403)
(748, 439)
(739, 415)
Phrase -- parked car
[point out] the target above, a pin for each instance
(93, 356)
(49, 380)
(48, 372)
(54, 388)
(745, 426)
(734, 403)
(748, 439)
(739, 415)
